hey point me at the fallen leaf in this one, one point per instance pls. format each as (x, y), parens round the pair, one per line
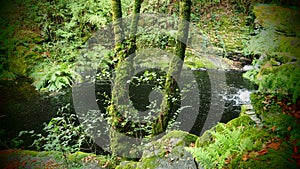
(106, 164)
(245, 157)
(296, 149)
(273, 128)
(296, 157)
(228, 159)
(263, 151)
(274, 145)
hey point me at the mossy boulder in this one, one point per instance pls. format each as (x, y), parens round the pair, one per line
(166, 152)
(205, 139)
(278, 31)
(127, 165)
(284, 20)
(45, 159)
(170, 140)
(243, 120)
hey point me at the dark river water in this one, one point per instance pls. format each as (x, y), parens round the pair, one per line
(23, 108)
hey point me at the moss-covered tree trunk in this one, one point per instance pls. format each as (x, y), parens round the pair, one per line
(124, 47)
(117, 23)
(171, 100)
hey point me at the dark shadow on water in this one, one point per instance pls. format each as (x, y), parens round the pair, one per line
(23, 108)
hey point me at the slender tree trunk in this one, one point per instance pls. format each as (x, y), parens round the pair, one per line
(171, 100)
(124, 69)
(117, 23)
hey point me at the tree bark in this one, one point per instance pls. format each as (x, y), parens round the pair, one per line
(124, 69)
(124, 47)
(117, 23)
(171, 101)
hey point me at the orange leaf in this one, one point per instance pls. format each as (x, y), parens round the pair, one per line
(245, 157)
(273, 128)
(274, 145)
(262, 152)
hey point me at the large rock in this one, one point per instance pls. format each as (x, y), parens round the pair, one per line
(284, 20)
(167, 152)
(278, 31)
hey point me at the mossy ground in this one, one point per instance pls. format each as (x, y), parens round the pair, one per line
(34, 159)
(225, 27)
(275, 144)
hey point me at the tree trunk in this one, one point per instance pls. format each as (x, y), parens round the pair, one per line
(117, 23)
(124, 69)
(171, 101)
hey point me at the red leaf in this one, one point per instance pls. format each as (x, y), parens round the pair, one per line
(262, 152)
(274, 145)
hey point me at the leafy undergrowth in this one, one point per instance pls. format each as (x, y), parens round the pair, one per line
(226, 27)
(33, 159)
(242, 144)
(281, 122)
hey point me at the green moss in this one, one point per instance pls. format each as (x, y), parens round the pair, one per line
(123, 147)
(41, 159)
(279, 18)
(240, 121)
(285, 125)
(127, 165)
(149, 163)
(171, 146)
(280, 33)
(185, 138)
(194, 61)
(264, 104)
(55, 154)
(204, 140)
(273, 159)
(269, 42)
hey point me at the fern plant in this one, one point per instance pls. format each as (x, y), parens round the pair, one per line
(52, 76)
(225, 143)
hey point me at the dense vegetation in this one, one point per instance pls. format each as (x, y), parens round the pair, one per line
(41, 40)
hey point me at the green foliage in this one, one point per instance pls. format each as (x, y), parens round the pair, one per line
(264, 103)
(285, 125)
(62, 133)
(160, 6)
(152, 41)
(45, 33)
(268, 41)
(276, 75)
(52, 76)
(226, 143)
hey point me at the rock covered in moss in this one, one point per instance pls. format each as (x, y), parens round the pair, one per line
(205, 139)
(240, 121)
(50, 159)
(166, 152)
(285, 20)
(278, 31)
